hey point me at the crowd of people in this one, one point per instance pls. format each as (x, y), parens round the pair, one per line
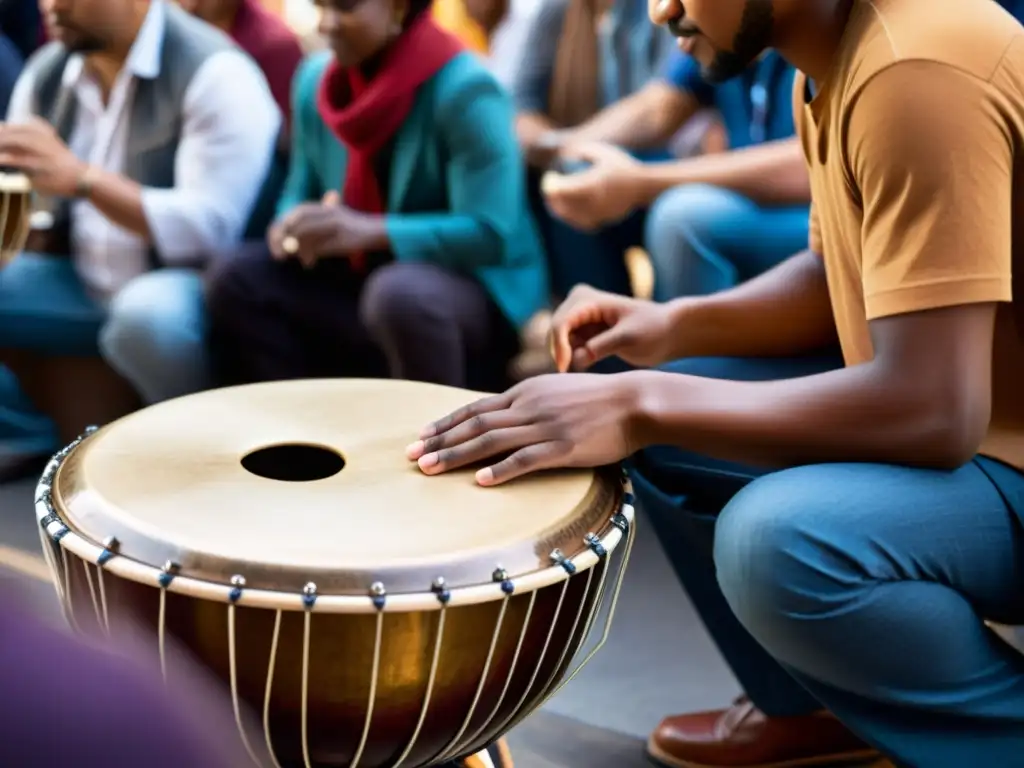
(413, 200)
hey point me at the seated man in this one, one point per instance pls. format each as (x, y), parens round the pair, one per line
(715, 220)
(844, 531)
(580, 58)
(157, 135)
(427, 262)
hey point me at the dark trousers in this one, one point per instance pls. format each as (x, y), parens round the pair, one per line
(594, 258)
(862, 588)
(273, 320)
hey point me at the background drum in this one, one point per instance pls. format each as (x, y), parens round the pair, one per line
(367, 614)
(15, 214)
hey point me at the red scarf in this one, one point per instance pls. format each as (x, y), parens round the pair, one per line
(366, 114)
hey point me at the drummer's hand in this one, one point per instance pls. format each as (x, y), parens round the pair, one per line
(591, 325)
(323, 230)
(35, 149)
(583, 420)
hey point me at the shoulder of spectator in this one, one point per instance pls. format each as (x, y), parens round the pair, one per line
(229, 71)
(45, 56)
(308, 75)
(214, 99)
(278, 42)
(461, 82)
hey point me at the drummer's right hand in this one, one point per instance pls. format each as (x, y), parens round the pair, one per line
(591, 325)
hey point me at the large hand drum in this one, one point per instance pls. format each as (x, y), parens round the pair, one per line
(366, 614)
(15, 213)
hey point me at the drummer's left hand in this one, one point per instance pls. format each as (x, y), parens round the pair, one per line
(576, 420)
(35, 149)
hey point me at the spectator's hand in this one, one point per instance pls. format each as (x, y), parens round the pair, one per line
(312, 231)
(545, 422)
(542, 151)
(591, 325)
(663, 11)
(35, 149)
(604, 193)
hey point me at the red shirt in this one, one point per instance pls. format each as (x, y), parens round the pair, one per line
(273, 45)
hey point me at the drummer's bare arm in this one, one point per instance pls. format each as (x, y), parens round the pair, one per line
(784, 312)
(923, 400)
(935, 261)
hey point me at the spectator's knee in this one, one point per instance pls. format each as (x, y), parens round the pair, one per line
(233, 282)
(154, 329)
(396, 296)
(681, 213)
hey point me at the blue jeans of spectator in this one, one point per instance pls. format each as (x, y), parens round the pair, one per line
(592, 258)
(860, 587)
(152, 332)
(10, 67)
(703, 239)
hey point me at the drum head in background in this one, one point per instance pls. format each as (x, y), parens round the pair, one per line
(308, 481)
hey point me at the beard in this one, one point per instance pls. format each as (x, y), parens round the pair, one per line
(76, 39)
(754, 36)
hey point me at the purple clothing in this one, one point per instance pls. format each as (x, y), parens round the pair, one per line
(68, 703)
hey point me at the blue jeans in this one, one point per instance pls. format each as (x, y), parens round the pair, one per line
(576, 256)
(152, 333)
(10, 68)
(703, 239)
(860, 587)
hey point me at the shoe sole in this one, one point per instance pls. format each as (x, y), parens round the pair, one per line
(662, 758)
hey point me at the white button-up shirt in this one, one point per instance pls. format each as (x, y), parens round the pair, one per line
(229, 131)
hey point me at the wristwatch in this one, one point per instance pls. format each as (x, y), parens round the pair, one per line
(83, 187)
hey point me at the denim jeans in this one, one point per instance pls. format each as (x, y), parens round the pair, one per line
(860, 587)
(703, 239)
(152, 332)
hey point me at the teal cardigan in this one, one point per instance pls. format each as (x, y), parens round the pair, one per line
(457, 190)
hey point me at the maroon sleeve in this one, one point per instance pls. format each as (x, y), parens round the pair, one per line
(279, 61)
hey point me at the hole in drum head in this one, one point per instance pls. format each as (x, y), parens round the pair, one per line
(294, 462)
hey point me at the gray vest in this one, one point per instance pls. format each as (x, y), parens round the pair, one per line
(155, 115)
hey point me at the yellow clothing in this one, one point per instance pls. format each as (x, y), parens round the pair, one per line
(451, 15)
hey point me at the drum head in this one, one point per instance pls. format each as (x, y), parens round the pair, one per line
(300, 481)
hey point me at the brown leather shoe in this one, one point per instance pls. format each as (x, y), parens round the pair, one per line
(743, 737)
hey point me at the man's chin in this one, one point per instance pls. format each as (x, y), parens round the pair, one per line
(74, 41)
(723, 69)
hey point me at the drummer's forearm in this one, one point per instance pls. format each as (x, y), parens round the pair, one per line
(783, 312)
(857, 413)
(119, 199)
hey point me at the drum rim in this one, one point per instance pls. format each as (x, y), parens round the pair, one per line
(15, 182)
(595, 548)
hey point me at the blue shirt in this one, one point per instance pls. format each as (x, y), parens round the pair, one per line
(1016, 7)
(756, 106)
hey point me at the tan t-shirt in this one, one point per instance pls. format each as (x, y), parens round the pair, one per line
(915, 144)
